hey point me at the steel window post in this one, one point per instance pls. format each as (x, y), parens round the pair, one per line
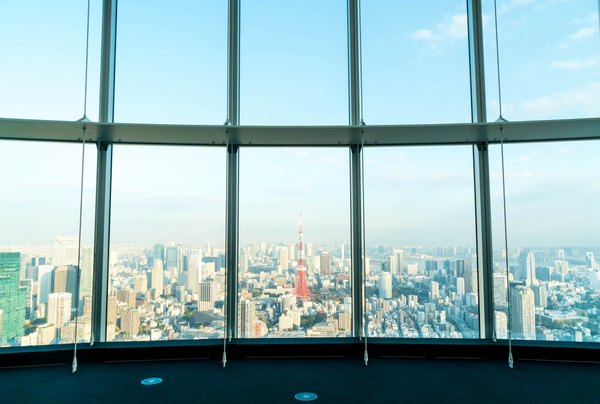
(233, 63)
(481, 174)
(356, 238)
(104, 172)
(354, 63)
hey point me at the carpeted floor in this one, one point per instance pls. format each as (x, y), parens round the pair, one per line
(334, 380)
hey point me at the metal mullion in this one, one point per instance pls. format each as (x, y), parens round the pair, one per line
(233, 63)
(354, 63)
(232, 238)
(356, 227)
(481, 173)
(104, 172)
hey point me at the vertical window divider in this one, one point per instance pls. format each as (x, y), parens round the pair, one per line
(481, 173)
(104, 172)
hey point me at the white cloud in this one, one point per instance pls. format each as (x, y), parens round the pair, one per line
(592, 18)
(523, 159)
(451, 30)
(513, 4)
(576, 64)
(584, 33)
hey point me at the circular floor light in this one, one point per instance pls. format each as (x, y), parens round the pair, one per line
(151, 381)
(306, 396)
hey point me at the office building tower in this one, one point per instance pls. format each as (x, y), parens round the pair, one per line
(499, 288)
(157, 277)
(283, 258)
(28, 285)
(292, 252)
(501, 325)
(522, 302)
(540, 295)
(463, 267)
(246, 319)
(130, 322)
(325, 264)
(244, 261)
(45, 280)
(87, 272)
(12, 297)
(527, 268)
(393, 268)
(385, 285)
(309, 249)
(172, 260)
(194, 272)
(59, 309)
(434, 290)
(87, 306)
(561, 267)
(399, 260)
(460, 286)
(344, 321)
(367, 264)
(65, 250)
(206, 296)
(158, 253)
(111, 310)
(430, 265)
(65, 281)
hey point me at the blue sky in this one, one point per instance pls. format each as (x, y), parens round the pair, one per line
(171, 68)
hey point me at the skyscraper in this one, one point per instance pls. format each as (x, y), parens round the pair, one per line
(130, 322)
(463, 267)
(173, 264)
(59, 309)
(65, 250)
(499, 289)
(523, 312)
(246, 320)
(392, 262)
(44, 279)
(65, 281)
(158, 253)
(283, 258)
(12, 297)
(385, 285)
(87, 275)
(527, 268)
(325, 264)
(244, 261)
(206, 296)
(157, 276)
(434, 290)
(194, 271)
(399, 258)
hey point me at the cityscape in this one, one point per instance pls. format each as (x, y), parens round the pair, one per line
(177, 291)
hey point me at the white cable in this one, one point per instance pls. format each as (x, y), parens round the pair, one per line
(498, 63)
(510, 356)
(226, 332)
(83, 119)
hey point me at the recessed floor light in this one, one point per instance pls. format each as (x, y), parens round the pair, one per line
(151, 381)
(306, 396)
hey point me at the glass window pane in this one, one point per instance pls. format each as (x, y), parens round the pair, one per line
(40, 185)
(549, 59)
(420, 237)
(167, 258)
(294, 63)
(415, 62)
(171, 62)
(294, 276)
(552, 192)
(42, 67)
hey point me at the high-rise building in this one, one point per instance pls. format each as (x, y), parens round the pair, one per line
(561, 267)
(28, 285)
(87, 272)
(434, 290)
(522, 301)
(399, 259)
(158, 253)
(194, 271)
(499, 289)
(172, 260)
(111, 310)
(65, 281)
(540, 295)
(385, 285)
(464, 268)
(206, 296)
(527, 268)
(65, 250)
(367, 266)
(157, 277)
(344, 321)
(44, 279)
(246, 319)
(59, 309)
(244, 261)
(130, 322)
(283, 258)
(501, 325)
(392, 264)
(13, 298)
(325, 264)
(460, 286)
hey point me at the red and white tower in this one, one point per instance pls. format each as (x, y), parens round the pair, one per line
(301, 285)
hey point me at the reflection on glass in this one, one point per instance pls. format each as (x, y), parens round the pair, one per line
(294, 263)
(39, 217)
(415, 62)
(167, 253)
(421, 274)
(171, 64)
(553, 241)
(294, 62)
(549, 58)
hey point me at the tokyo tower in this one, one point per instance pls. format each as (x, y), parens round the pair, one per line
(301, 286)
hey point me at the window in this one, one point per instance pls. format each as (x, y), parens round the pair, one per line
(167, 262)
(294, 263)
(40, 185)
(421, 277)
